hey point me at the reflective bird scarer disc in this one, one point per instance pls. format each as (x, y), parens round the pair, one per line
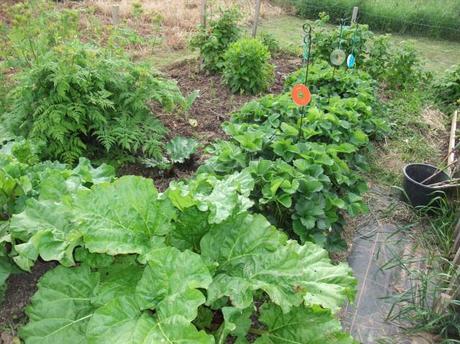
(337, 57)
(351, 61)
(301, 95)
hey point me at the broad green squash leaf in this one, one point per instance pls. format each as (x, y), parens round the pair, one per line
(124, 217)
(46, 229)
(301, 325)
(253, 256)
(122, 321)
(60, 310)
(170, 283)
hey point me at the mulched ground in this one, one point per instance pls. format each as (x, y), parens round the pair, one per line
(214, 106)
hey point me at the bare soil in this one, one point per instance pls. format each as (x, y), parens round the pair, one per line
(214, 106)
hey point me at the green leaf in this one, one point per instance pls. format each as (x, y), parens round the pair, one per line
(220, 198)
(289, 273)
(181, 148)
(236, 322)
(46, 229)
(170, 283)
(61, 308)
(121, 321)
(124, 217)
(301, 325)
(89, 174)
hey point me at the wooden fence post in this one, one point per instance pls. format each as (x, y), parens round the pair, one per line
(115, 14)
(256, 18)
(354, 15)
(203, 12)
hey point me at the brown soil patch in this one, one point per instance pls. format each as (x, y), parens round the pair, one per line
(214, 106)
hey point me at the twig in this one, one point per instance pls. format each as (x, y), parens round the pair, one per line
(439, 171)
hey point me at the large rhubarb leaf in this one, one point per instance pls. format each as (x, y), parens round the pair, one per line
(122, 321)
(220, 198)
(123, 217)
(170, 283)
(252, 255)
(46, 229)
(301, 325)
(189, 227)
(61, 308)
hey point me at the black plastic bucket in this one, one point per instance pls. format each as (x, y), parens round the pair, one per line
(422, 194)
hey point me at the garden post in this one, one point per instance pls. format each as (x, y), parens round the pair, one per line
(115, 14)
(256, 18)
(203, 12)
(354, 15)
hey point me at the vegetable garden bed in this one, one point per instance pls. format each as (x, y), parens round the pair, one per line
(218, 221)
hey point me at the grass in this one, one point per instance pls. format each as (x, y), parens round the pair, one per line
(437, 54)
(436, 18)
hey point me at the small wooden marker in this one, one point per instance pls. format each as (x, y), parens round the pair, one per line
(354, 15)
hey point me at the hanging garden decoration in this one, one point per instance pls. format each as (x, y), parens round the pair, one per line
(300, 92)
(338, 56)
(351, 60)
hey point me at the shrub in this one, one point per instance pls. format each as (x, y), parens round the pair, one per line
(270, 42)
(76, 95)
(212, 41)
(247, 66)
(447, 88)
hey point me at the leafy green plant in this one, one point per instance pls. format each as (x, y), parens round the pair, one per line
(270, 42)
(327, 81)
(447, 89)
(181, 149)
(212, 41)
(23, 179)
(76, 95)
(189, 246)
(247, 67)
(304, 169)
(37, 26)
(397, 66)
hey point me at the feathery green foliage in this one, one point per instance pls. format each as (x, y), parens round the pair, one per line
(76, 95)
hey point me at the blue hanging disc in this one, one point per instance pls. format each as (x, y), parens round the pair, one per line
(351, 61)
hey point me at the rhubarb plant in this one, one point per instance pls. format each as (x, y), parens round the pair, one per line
(149, 265)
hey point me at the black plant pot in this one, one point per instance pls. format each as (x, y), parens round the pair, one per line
(422, 194)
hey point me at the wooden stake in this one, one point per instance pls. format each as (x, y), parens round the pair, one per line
(456, 246)
(453, 130)
(115, 14)
(256, 18)
(203, 13)
(354, 15)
